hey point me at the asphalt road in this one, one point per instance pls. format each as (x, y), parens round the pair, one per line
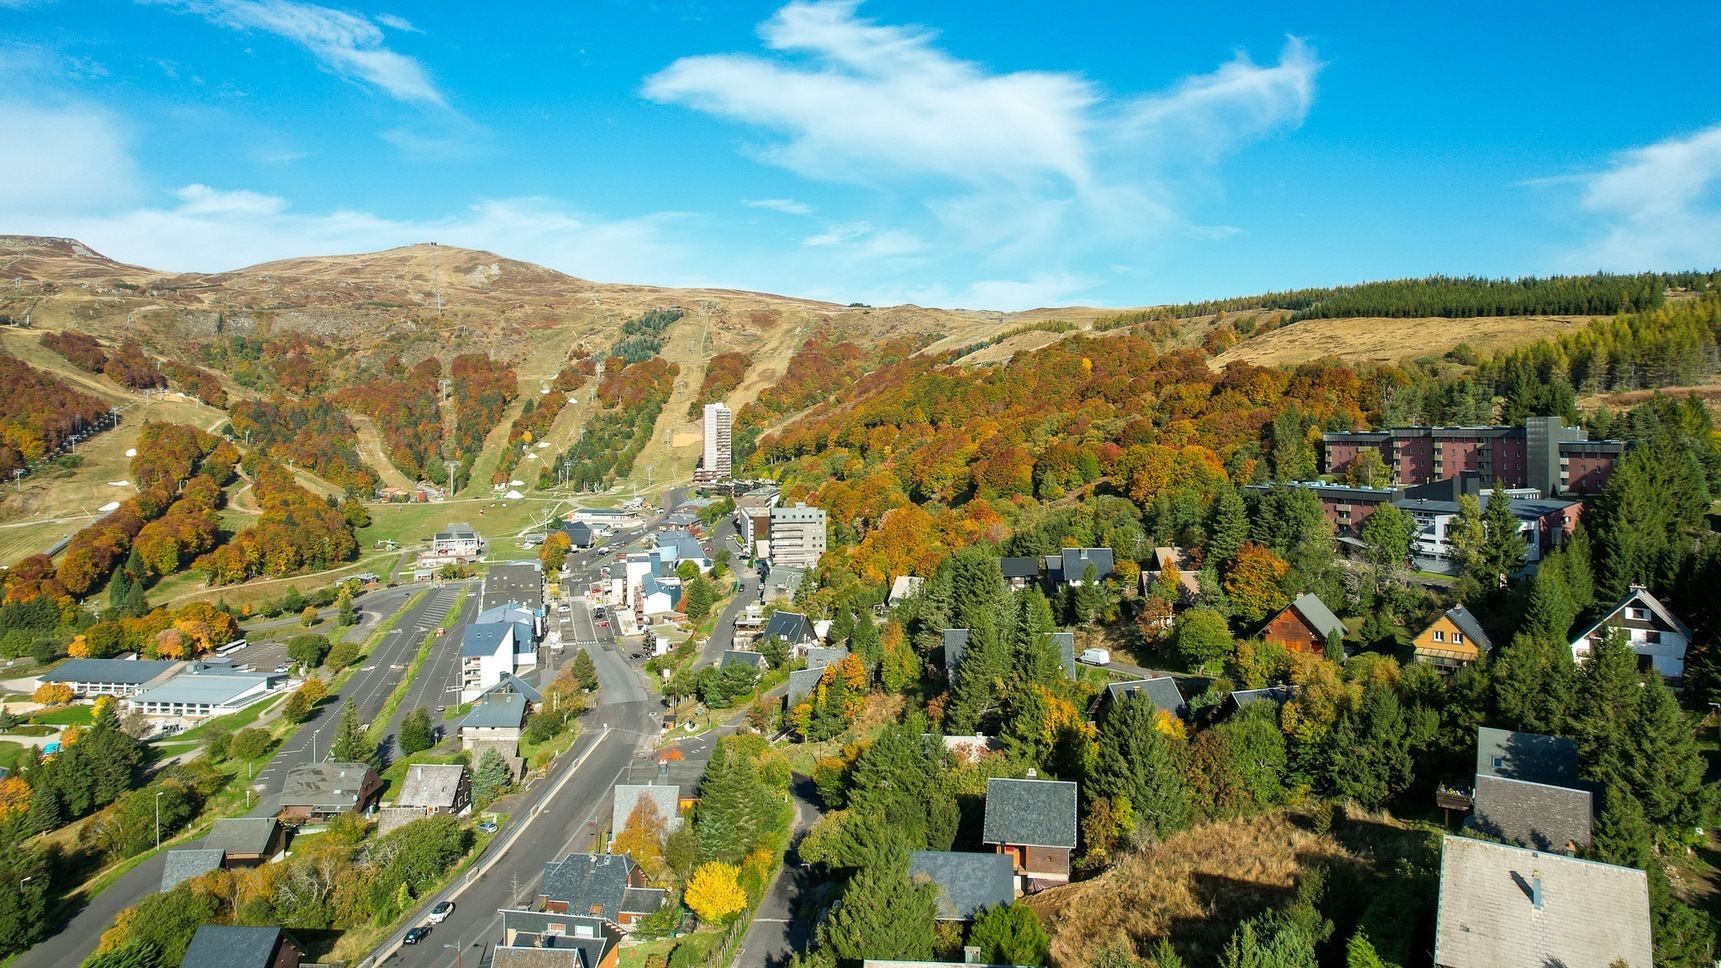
(778, 932)
(74, 942)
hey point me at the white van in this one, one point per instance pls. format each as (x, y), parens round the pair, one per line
(1096, 657)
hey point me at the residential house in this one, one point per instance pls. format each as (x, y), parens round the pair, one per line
(967, 883)
(969, 749)
(1452, 641)
(182, 864)
(322, 791)
(434, 788)
(607, 886)
(793, 628)
(1656, 634)
(234, 946)
(904, 588)
(1526, 756)
(580, 535)
(532, 625)
(1277, 695)
(678, 546)
(459, 541)
(534, 939)
(781, 583)
(1304, 626)
(802, 682)
(1528, 791)
(1162, 691)
(494, 722)
(751, 660)
(659, 596)
(1509, 907)
(512, 684)
(1188, 575)
(1019, 573)
(89, 678)
(487, 653)
(666, 798)
(1034, 823)
(1071, 567)
(246, 841)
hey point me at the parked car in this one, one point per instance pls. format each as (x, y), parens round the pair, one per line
(603, 625)
(416, 935)
(1096, 657)
(488, 826)
(283, 668)
(563, 609)
(440, 912)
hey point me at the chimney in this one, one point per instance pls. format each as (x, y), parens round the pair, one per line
(971, 955)
(1536, 890)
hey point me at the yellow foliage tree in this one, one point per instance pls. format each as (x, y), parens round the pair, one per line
(80, 648)
(641, 836)
(714, 892)
(14, 797)
(52, 694)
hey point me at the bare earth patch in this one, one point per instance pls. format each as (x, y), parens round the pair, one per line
(1390, 340)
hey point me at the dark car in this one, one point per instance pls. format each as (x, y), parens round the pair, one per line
(416, 935)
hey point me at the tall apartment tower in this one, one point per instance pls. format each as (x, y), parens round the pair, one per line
(717, 462)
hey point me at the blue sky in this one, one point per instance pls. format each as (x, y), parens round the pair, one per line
(991, 155)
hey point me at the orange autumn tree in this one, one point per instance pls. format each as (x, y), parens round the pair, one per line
(1253, 581)
(641, 837)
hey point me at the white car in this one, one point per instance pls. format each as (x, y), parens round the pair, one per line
(440, 912)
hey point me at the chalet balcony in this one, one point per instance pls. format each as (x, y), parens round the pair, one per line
(1455, 793)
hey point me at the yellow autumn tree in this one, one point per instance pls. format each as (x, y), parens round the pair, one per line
(14, 797)
(641, 836)
(52, 694)
(80, 647)
(714, 892)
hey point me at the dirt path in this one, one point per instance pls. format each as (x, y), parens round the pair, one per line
(373, 453)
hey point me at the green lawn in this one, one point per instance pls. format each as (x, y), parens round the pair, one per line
(10, 754)
(66, 716)
(232, 722)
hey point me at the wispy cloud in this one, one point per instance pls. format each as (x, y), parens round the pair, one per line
(1659, 206)
(1020, 167)
(71, 158)
(346, 44)
(787, 206)
(393, 22)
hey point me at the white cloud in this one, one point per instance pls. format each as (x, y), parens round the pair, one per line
(393, 22)
(787, 206)
(69, 159)
(346, 44)
(840, 233)
(1660, 206)
(1025, 169)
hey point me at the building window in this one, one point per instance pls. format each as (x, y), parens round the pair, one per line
(1439, 636)
(1639, 614)
(1457, 638)
(1652, 637)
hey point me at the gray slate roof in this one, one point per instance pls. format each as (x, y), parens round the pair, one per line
(1162, 691)
(966, 882)
(431, 785)
(1036, 813)
(1277, 695)
(1591, 915)
(242, 835)
(1019, 567)
(1467, 624)
(325, 785)
(791, 627)
(586, 880)
(1066, 645)
(499, 710)
(232, 946)
(186, 863)
(1318, 614)
(819, 656)
(1076, 561)
(513, 683)
(667, 797)
(802, 682)
(955, 643)
(1533, 815)
(1637, 595)
(551, 941)
(742, 658)
(1527, 756)
(130, 672)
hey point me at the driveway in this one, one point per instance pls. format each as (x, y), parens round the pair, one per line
(777, 932)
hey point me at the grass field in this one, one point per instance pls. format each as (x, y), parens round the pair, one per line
(1390, 340)
(79, 715)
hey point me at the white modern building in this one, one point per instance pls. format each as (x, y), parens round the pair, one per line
(204, 691)
(716, 463)
(797, 535)
(488, 652)
(89, 678)
(458, 541)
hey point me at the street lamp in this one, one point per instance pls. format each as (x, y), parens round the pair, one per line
(158, 794)
(456, 954)
(25, 881)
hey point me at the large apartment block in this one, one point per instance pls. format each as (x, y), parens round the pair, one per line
(797, 536)
(1544, 454)
(717, 461)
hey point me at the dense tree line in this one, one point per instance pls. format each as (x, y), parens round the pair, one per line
(723, 373)
(296, 531)
(314, 432)
(197, 382)
(483, 388)
(642, 337)
(405, 406)
(823, 365)
(129, 366)
(38, 413)
(296, 363)
(82, 349)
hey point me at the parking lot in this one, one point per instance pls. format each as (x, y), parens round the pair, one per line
(261, 656)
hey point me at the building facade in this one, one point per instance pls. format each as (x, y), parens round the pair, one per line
(1544, 454)
(716, 463)
(798, 535)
